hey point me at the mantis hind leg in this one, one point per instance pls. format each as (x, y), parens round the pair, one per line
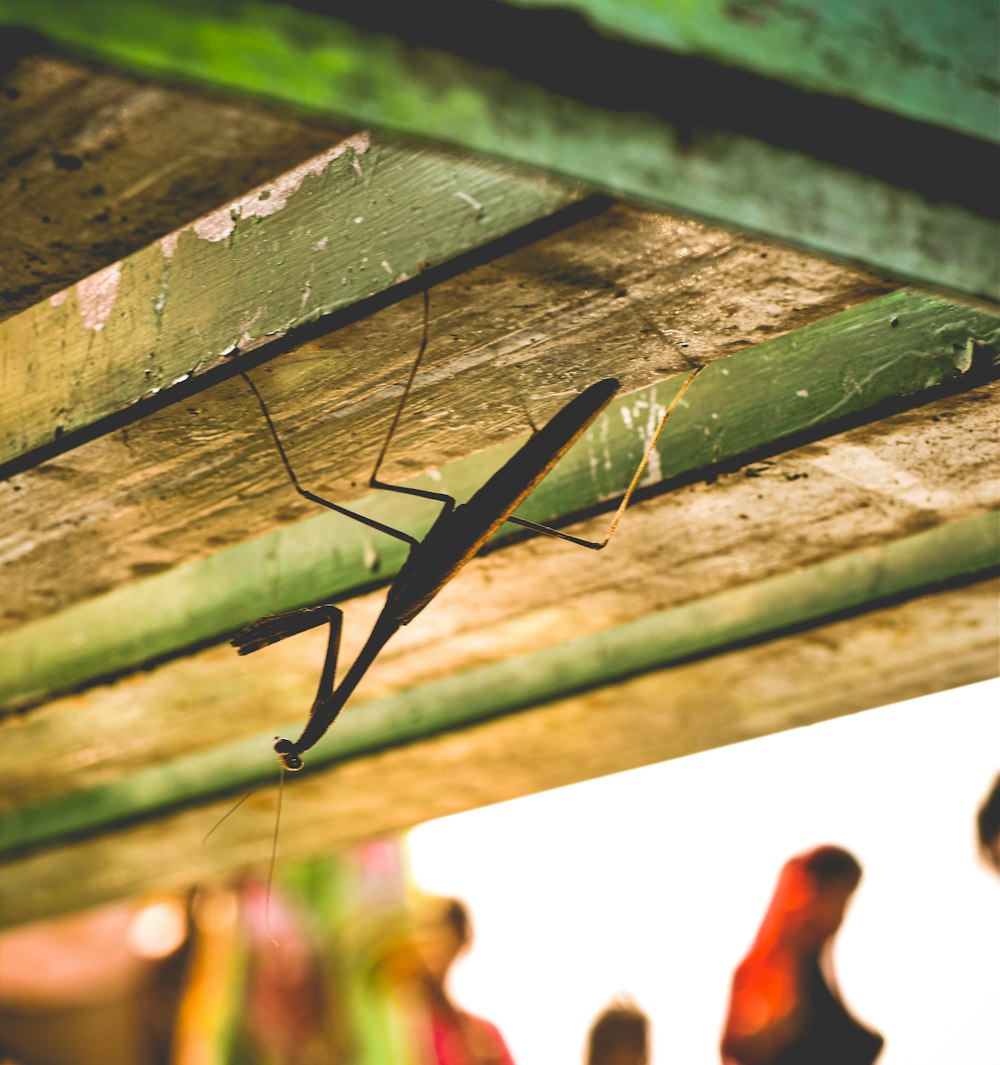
(374, 481)
(596, 545)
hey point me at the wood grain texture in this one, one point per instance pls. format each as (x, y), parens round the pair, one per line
(871, 486)
(936, 63)
(344, 225)
(631, 294)
(919, 647)
(98, 163)
(850, 363)
(678, 132)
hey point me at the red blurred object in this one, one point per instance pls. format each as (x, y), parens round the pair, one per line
(785, 1008)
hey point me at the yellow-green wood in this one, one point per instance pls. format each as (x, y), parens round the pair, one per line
(691, 135)
(856, 361)
(341, 227)
(861, 580)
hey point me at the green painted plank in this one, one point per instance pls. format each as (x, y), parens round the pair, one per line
(933, 61)
(855, 581)
(855, 361)
(702, 139)
(337, 229)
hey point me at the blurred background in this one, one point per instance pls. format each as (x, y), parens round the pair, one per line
(644, 887)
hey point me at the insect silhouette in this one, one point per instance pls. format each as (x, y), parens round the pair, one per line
(458, 533)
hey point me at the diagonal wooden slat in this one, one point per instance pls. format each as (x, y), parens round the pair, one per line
(936, 65)
(677, 132)
(875, 484)
(863, 579)
(925, 645)
(856, 361)
(633, 294)
(337, 229)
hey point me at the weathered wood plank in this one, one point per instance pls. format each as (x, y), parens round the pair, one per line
(335, 230)
(873, 485)
(676, 132)
(637, 295)
(925, 645)
(937, 63)
(852, 362)
(97, 164)
(916, 564)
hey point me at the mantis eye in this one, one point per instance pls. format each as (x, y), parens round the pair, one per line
(288, 755)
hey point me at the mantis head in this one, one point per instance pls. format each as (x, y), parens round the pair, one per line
(288, 755)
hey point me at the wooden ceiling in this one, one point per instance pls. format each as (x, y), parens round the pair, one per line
(817, 532)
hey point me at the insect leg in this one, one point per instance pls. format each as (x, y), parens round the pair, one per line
(370, 522)
(277, 627)
(596, 545)
(373, 481)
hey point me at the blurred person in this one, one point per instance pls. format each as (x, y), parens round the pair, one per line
(989, 827)
(619, 1036)
(95, 987)
(454, 1037)
(784, 1007)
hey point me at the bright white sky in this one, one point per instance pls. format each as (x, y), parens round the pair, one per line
(652, 883)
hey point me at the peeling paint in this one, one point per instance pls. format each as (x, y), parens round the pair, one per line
(321, 244)
(802, 393)
(96, 295)
(59, 298)
(269, 199)
(245, 340)
(168, 244)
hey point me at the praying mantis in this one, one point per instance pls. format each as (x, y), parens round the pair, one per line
(458, 533)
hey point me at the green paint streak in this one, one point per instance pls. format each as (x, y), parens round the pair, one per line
(911, 566)
(937, 64)
(936, 68)
(897, 345)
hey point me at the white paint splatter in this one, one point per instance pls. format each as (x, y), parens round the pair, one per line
(168, 244)
(358, 219)
(59, 298)
(386, 267)
(245, 339)
(474, 204)
(803, 393)
(96, 295)
(271, 198)
(321, 244)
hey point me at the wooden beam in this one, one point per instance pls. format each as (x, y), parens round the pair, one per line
(875, 484)
(330, 233)
(924, 645)
(860, 580)
(637, 295)
(99, 163)
(673, 131)
(936, 64)
(805, 382)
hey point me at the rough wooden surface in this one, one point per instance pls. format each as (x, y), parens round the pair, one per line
(872, 485)
(634, 294)
(676, 132)
(900, 652)
(849, 364)
(900, 59)
(96, 164)
(344, 225)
